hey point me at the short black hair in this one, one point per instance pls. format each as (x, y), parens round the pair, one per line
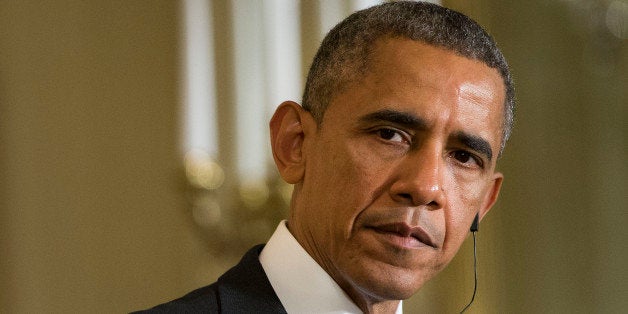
(343, 54)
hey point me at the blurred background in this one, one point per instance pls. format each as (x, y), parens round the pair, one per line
(134, 160)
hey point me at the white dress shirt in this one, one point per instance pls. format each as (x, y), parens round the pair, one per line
(300, 283)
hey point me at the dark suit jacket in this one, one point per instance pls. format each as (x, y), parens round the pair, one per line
(242, 289)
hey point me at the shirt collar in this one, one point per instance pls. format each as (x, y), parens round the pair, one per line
(300, 283)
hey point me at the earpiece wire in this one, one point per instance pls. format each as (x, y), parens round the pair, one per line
(475, 273)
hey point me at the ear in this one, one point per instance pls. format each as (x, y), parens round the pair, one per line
(286, 139)
(491, 197)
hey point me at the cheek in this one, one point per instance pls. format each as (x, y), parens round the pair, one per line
(463, 201)
(358, 176)
(336, 181)
(465, 191)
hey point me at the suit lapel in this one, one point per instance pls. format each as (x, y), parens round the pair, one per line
(246, 289)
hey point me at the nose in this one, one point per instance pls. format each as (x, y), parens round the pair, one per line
(419, 179)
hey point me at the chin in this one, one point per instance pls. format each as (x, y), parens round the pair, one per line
(394, 285)
(396, 291)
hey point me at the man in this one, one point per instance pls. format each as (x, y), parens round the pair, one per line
(406, 109)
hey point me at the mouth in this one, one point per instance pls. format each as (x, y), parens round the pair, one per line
(405, 235)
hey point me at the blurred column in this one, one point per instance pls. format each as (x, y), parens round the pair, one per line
(198, 79)
(282, 48)
(332, 12)
(250, 127)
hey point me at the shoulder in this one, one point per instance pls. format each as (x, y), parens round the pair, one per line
(202, 300)
(244, 288)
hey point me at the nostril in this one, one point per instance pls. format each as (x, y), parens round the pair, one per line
(407, 197)
(433, 204)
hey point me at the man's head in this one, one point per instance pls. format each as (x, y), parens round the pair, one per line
(395, 154)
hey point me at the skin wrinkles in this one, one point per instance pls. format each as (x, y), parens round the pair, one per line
(354, 181)
(409, 121)
(475, 143)
(473, 97)
(478, 94)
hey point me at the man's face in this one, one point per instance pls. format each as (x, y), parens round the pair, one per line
(402, 162)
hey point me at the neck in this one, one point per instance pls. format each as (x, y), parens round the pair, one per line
(366, 302)
(370, 306)
(388, 307)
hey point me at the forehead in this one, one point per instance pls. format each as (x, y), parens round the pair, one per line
(427, 81)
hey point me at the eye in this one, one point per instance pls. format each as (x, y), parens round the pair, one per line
(391, 135)
(467, 159)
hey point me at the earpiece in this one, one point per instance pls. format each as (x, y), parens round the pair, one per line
(475, 226)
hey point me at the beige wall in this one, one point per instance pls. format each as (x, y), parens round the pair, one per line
(557, 240)
(92, 217)
(93, 210)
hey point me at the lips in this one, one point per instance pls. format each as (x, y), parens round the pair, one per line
(405, 231)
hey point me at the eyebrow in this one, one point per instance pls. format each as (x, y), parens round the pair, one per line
(475, 143)
(397, 117)
(409, 120)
